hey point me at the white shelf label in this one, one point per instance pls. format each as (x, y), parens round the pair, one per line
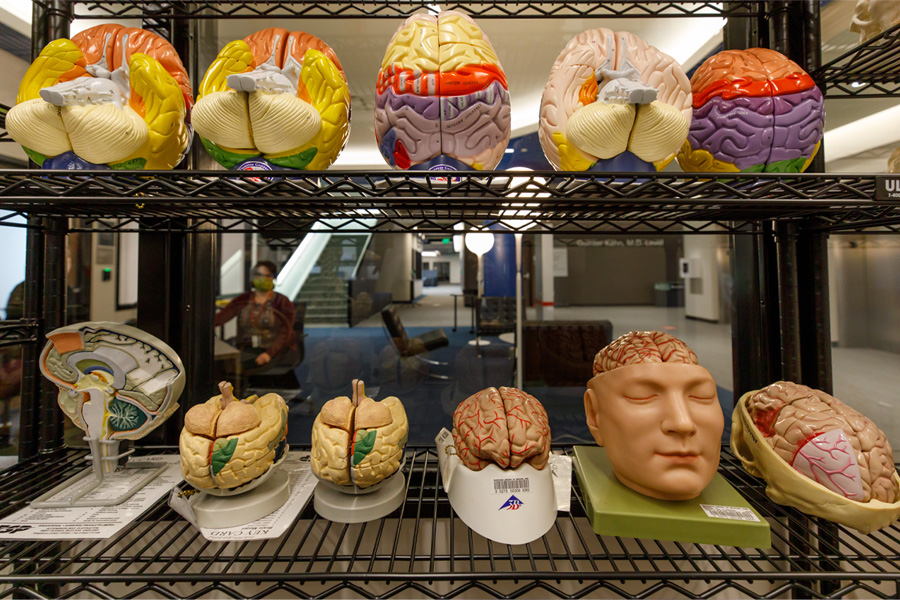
(734, 513)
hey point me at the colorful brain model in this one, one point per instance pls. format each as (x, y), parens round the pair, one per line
(359, 442)
(227, 443)
(755, 111)
(506, 427)
(826, 441)
(442, 99)
(276, 99)
(613, 101)
(872, 17)
(111, 96)
(638, 347)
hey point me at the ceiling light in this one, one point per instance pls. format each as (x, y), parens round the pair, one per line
(857, 84)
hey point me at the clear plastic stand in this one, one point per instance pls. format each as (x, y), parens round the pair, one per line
(105, 483)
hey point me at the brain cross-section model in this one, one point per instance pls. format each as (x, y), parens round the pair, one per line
(442, 96)
(754, 110)
(826, 440)
(276, 99)
(504, 426)
(638, 347)
(359, 441)
(115, 382)
(611, 95)
(227, 443)
(111, 96)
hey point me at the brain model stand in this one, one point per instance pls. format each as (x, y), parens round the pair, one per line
(754, 111)
(818, 455)
(111, 97)
(230, 451)
(494, 465)
(357, 453)
(117, 383)
(441, 99)
(275, 100)
(613, 103)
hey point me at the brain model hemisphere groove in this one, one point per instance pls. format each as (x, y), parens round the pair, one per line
(276, 99)
(611, 94)
(503, 426)
(359, 442)
(826, 441)
(754, 110)
(643, 347)
(441, 96)
(112, 96)
(227, 443)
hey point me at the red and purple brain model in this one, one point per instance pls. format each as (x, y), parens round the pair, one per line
(755, 111)
(441, 97)
(637, 347)
(826, 440)
(505, 426)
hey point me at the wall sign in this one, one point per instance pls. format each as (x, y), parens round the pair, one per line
(887, 187)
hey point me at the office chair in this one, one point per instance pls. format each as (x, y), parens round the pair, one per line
(414, 347)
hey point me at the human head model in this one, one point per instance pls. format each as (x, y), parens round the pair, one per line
(657, 413)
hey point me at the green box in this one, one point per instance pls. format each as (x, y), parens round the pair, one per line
(614, 509)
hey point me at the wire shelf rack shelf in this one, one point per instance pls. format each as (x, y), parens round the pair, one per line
(424, 550)
(867, 71)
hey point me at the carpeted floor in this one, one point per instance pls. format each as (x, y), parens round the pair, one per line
(430, 393)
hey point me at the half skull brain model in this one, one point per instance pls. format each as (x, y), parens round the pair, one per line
(441, 97)
(793, 435)
(754, 110)
(358, 441)
(110, 97)
(276, 99)
(505, 426)
(613, 102)
(227, 443)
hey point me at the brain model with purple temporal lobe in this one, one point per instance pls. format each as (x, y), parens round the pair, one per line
(442, 99)
(754, 111)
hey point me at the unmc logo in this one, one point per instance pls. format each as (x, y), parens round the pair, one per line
(892, 185)
(512, 504)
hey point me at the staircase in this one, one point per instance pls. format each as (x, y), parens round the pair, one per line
(326, 289)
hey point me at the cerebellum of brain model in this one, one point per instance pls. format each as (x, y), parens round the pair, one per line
(638, 347)
(227, 443)
(275, 100)
(825, 440)
(754, 111)
(441, 97)
(613, 102)
(111, 97)
(503, 426)
(358, 441)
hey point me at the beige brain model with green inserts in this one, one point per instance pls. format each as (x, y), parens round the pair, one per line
(359, 441)
(227, 443)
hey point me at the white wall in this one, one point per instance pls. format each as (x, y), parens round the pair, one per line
(13, 70)
(701, 293)
(12, 268)
(103, 293)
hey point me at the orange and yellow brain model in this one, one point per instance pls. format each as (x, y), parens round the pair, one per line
(276, 99)
(112, 96)
(441, 99)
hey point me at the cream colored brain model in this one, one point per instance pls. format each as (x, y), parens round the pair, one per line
(359, 442)
(873, 17)
(610, 93)
(818, 455)
(227, 443)
(504, 426)
(638, 347)
(276, 99)
(112, 96)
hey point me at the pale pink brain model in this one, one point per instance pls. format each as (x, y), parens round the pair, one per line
(638, 347)
(826, 440)
(504, 426)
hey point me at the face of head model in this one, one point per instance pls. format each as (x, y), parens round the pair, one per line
(661, 425)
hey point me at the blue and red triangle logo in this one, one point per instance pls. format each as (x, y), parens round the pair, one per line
(512, 504)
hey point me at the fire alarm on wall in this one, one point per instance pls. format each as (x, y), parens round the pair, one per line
(689, 268)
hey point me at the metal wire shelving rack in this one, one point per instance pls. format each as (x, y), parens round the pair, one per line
(424, 550)
(867, 71)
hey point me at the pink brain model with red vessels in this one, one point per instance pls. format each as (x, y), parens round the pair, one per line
(826, 440)
(505, 426)
(638, 347)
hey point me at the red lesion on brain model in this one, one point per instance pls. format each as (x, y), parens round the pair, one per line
(643, 347)
(505, 426)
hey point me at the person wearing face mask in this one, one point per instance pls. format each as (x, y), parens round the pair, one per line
(265, 327)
